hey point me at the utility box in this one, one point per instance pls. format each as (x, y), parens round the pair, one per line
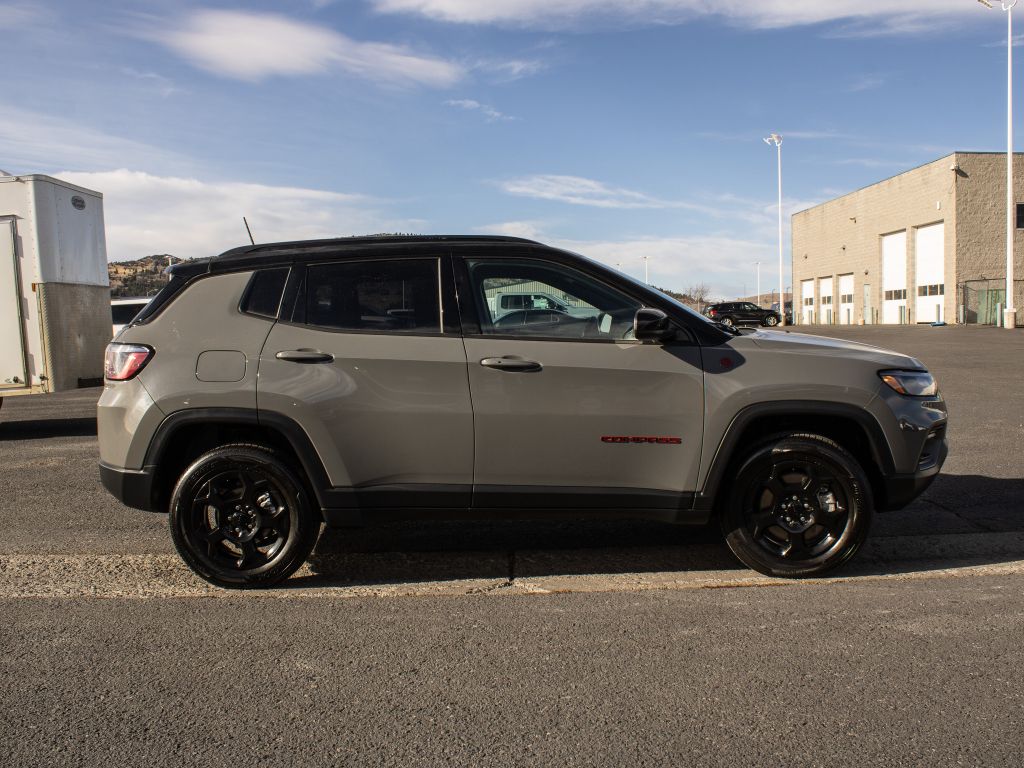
(54, 288)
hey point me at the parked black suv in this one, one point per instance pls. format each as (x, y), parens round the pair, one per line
(742, 313)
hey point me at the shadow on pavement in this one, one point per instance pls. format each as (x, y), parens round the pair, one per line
(944, 529)
(40, 429)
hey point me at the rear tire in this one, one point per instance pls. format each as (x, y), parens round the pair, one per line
(800, 506)
(727, 321)
(240, 518)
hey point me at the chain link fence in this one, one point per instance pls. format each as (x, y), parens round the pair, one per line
(980, 302)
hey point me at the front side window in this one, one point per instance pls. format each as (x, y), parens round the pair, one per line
(386, 296)
(563, 302)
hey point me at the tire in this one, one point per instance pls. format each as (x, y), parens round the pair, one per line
(727, 321)
(242, 518)
(800, 505)
(771, 321)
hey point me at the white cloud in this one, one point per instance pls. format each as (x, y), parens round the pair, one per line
(726, 264)
(512, 69)
(22, 15)
(491, 114)
(531, 230)
(884, 14)
(252, 46)
(32, 141)
(158, 83)
(577, 190)
(867, 82)
(148, 214)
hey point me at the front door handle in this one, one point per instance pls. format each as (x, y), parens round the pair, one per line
(511, 364)
(305, 356)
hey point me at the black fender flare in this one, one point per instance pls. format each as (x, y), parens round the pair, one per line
(288, 429)
(881, 451)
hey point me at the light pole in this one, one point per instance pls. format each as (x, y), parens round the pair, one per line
(1009, 311)
(777, 141)
(758, 284)
(647, 280)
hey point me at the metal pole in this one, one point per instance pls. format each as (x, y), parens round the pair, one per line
(1010, 312)
(759, 284)
(647, 280)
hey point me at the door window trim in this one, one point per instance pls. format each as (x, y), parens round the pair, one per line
(469, 310)
(293, 306)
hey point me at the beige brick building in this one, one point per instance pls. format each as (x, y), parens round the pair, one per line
(928, 244)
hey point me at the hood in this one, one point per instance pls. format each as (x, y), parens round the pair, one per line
(801, 343)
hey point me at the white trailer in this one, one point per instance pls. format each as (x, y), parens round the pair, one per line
(54, 288)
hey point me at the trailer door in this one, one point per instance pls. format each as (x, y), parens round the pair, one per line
(12, 350)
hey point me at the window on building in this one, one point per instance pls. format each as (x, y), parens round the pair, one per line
(931, 290)
(896, 295)
(846, 298)
(1020, 215)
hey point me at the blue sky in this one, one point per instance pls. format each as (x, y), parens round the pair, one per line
(618, 129)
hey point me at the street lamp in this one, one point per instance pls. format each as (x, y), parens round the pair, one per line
(777, 141)
(647, 280)
(1009, 311)
(758, 283)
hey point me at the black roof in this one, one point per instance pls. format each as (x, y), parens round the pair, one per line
(247, 255)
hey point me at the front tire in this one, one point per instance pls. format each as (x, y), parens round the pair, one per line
(800, 506)
(240, 517)
(771, 321)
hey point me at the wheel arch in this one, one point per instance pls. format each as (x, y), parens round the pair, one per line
(853, 428)
(185, 435)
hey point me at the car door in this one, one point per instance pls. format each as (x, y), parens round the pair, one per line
(364, 363)
(572, 411)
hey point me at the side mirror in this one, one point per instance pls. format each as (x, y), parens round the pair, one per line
(652, 325)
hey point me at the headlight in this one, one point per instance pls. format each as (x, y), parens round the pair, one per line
(913, 383)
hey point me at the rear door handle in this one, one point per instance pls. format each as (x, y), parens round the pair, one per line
(305, 356)
(511, 364)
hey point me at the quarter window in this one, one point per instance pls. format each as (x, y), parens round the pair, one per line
(386, 296)
(263, 297)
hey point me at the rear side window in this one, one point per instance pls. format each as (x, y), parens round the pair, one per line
(163, 297)
(263, 296)
(386, 296)
(122, 314)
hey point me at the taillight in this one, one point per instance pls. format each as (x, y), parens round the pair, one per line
(713, 312)
(123, 361)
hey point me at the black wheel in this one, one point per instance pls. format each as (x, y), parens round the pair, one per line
(800, 506)
(240, 517)
(727, 321)
(771, 320)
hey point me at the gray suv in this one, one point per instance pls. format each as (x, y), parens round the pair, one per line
(277, 387)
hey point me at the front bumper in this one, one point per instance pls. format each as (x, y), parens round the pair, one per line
(132, 487)
(898, 490)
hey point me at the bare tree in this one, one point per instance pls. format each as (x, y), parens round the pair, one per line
(699, 293)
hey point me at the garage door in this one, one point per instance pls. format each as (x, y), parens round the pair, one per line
(846, 299)
(930, 271)
(807, 302)
(12, 355)
(825, 298)
(894, 278)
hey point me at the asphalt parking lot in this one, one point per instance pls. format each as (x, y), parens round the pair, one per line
(545, 643)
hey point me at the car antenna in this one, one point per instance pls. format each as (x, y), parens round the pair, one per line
(248, 230)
